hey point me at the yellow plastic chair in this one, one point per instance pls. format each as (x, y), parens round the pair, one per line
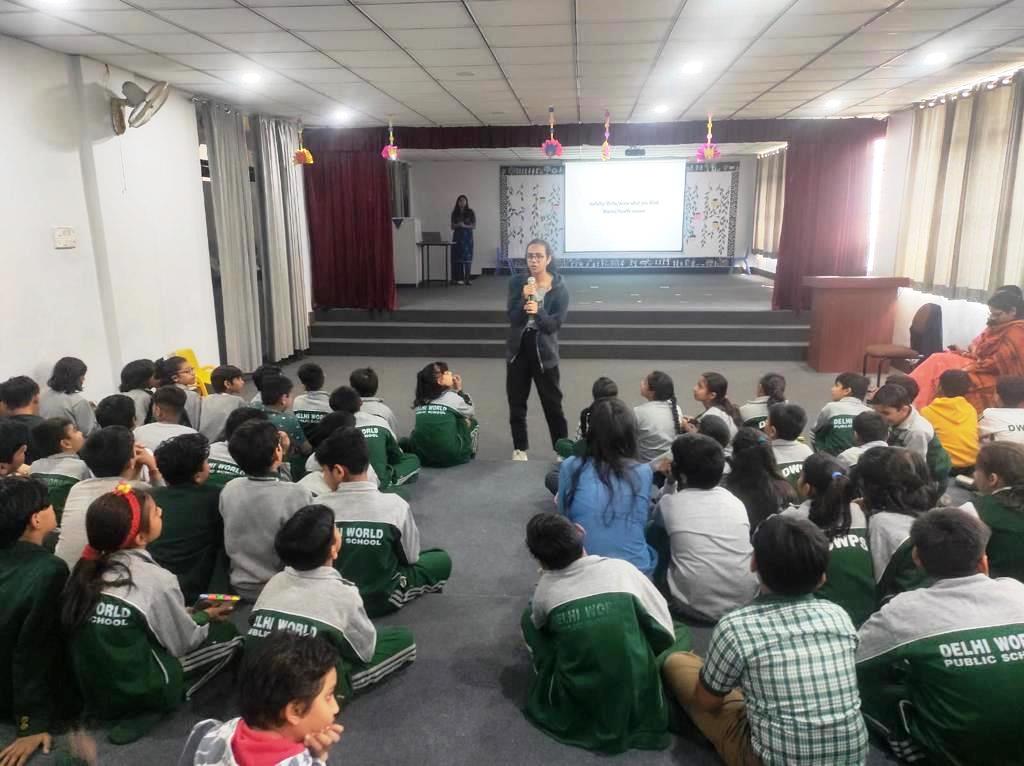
(203, 374)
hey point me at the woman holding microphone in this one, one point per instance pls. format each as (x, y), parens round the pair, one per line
(538, 302)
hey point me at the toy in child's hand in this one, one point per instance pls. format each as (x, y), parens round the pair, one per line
(206, 600)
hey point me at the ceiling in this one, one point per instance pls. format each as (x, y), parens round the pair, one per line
(531, 154)
(502, 62)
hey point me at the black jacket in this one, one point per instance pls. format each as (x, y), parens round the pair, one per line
(548, 319)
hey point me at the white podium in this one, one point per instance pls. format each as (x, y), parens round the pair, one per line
(405, 233)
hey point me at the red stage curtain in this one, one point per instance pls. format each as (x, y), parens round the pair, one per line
(825, 225)
(348, 206)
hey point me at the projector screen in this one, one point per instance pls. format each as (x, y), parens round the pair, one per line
(624, 206)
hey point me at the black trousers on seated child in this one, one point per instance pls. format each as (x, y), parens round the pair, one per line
(520, 372)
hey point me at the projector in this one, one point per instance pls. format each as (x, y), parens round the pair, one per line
(636, 151)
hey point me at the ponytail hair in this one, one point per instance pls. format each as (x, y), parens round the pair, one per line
(167, 368)
(108, 527)
(427, 387)
(718, 385)
(830, 504)
(773, 385)
(664, 389)
(895, 480)
(1005, 460)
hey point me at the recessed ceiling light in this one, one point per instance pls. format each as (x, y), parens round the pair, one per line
(661, 108)
(693, 67)
(832, 104)
(251, 78)
(935, 57)
(340, 115)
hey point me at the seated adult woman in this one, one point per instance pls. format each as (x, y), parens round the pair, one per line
(999, 350)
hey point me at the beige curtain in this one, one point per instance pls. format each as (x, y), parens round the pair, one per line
(963, 216)
(768, 202)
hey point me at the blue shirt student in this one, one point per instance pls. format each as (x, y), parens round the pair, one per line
(614, 525)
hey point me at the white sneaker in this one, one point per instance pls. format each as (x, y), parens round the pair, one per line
(519, 454)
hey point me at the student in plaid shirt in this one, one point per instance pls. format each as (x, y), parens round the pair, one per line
(778, 685)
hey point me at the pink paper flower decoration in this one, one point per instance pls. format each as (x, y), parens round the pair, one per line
(552, 147)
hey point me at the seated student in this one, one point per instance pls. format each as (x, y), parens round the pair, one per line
(117, 410)
(954, 419)
(712, 391)
(608, 491)
(227, 383)
(596, 629)
(895, 488)
(999, 481)
(850, 580)
(908, 429)
(20, 396)
(778, 684)
(1005, 422)
(192, 542)
(60, 468)
(709, 534)
(393, 467)
(63, 398)
(446, 430)
(380, 549)
(113, 459)
(869, 431)
(310, 597)
(176, 371)
(314, 478)
(286, 697)
(261, 372)
(168, 406)
(14, 438)
(754, 477)
(659, 420)
(33, 682)
(833, 430)
(365, 382)
(603, 388)
(277, 398)
(223, 467)
(138, 379)
(255, 506)
(312, 404)
(785, 424)
(771, 390)
(939, 668)
(137, 652)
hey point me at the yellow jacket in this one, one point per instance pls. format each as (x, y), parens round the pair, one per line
(956, 424)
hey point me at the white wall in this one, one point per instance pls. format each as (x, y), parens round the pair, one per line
(138, 284)
(894, 180)
(961, 320)
(435, 185)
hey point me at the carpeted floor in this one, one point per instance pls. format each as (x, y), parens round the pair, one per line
(459, 702)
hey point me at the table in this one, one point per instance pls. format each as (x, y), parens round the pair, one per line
(425, 260)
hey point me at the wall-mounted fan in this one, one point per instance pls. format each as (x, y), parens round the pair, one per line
(144, 105)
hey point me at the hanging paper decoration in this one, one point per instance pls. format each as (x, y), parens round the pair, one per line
(390, 151)
(302, 155)
(552, 148)
(708, 151)
(606, 148)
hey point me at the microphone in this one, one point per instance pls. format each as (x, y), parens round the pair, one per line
(531, 322)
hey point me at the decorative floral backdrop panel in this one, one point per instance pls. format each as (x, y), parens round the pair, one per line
(709, 210)
(531, 207)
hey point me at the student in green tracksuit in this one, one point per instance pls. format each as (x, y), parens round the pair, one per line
(446, 430)
(895, 488)
(393, 466)
(137, 652)
(311, 598)
(833, 430)
(999, 478)
(909, 428)
(783, 427)
(849, 579)
(192, 542)
(597, 630)
(941, 669)
(276, 395)
(33, 679)
(223, 467)
(380, 549)
(313, 404)
(59, 466)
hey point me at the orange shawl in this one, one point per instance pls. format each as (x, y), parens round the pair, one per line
(998, 351)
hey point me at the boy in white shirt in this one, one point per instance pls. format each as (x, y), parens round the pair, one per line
(1005, 423)
(227, 383)
(168, 404)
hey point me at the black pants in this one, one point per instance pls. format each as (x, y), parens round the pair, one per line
(520, 372)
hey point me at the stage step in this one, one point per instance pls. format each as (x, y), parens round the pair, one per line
(712, 335)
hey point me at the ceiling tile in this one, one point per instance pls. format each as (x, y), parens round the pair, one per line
(460, 57)
(393, 58)
(771, 63)
(419, 15)
(540, 73)
(135, 62)
(84, 45)
(601, 69)
(6, 7)
(628, 32)
(57, 9)
(213, 61)
(838, 6)
(873, 41)
(349, 41)
(224, 21)
(485, 86)
(863, 60)
(262, 42)
(318, 18)
(159, 5)
(623, 52)
(466, 73)
(307, 60)
(551, 54)
(787, 46)
(189, 77)
(528, 36)
(391, 74)
(459, 37)
(626, 10)
(316, 76)
(906, 20)
(176, 43)
(725, 27)
(521, 12)
(709, 8)
(120, 22)
(32, 23)
(824, 24)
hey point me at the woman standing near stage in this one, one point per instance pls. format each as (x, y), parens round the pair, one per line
(463, 223)
(538, 302)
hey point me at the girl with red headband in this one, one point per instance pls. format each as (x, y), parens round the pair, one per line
(136, 650)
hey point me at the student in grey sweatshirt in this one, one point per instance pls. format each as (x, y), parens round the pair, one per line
(256, 506)
(227, 383)
(365, 382)
(659, 420)
(138, 379)
(62, 397)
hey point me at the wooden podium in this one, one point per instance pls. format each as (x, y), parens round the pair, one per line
(848, 314)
